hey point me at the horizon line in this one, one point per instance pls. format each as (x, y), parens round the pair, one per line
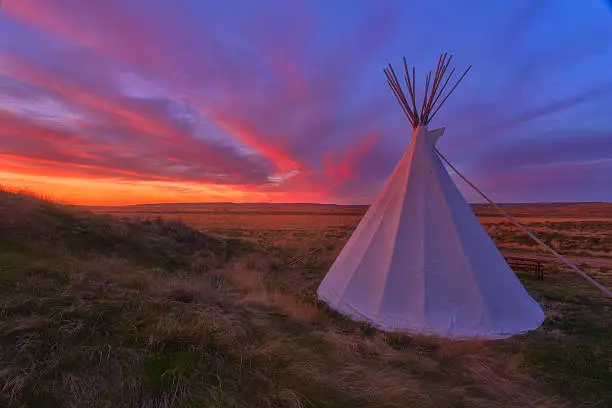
(325, 204)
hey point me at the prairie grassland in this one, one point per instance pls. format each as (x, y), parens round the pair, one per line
(582, 232)
(99, 311)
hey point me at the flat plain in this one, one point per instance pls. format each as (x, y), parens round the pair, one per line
(580, 231)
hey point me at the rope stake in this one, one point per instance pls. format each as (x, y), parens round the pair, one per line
(526, 231)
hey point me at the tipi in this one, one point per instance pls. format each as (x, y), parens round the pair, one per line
(420, 261)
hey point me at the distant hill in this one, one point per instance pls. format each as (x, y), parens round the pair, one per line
(235, 205)
(575, 209)
(233, 208)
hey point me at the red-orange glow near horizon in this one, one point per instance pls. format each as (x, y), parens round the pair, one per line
(86, 191)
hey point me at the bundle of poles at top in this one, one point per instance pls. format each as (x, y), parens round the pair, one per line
(433, 91)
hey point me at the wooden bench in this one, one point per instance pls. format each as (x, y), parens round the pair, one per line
(527, 264)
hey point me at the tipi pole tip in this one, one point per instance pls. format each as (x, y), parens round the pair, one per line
(433, 92)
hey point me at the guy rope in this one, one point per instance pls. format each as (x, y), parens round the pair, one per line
(526, 231)
(569, 264)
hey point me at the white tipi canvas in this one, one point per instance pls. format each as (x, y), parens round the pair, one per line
(420, 261)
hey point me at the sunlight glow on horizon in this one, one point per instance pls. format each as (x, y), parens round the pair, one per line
(114, 192)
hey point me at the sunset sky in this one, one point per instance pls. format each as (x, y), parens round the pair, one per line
(135, 101)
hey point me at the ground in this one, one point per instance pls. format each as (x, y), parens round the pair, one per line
(196, 307)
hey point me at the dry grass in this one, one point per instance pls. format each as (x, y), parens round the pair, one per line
(100, 312)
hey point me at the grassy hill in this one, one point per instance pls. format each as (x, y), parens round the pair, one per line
(98, 311)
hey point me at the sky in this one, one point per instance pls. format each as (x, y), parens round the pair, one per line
(111, 102)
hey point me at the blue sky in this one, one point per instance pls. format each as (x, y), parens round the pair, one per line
(142, 100)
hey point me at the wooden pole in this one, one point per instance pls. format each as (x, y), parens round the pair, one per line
(399, 94)
(434, 90)
(425, 95)
(451, 91)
